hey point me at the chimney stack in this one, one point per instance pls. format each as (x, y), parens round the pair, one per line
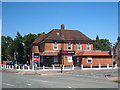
(62, 26)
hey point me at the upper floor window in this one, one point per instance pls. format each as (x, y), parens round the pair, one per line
(88, 46)
(69, 46)
(79, 46)
(55, 46)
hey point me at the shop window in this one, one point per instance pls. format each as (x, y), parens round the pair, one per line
(55, 59)
(89, 59)
(69, 46)
(88, 46)
(55, 46)
(69, 58)
(79, 47)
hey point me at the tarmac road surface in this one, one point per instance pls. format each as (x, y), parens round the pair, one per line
(71, 81)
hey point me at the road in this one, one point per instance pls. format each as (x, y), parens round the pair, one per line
(71, 81)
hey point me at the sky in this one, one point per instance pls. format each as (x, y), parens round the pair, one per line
(91, 18)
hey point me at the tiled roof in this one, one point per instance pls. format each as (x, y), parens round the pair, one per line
(92, 53)
(40, 38)
(62, 34)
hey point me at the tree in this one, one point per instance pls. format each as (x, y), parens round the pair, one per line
(18, 47)
(6, 43)
(102, 44)
(118, 39)
(27, 40)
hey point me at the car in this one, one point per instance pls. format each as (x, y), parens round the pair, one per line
(14, 63)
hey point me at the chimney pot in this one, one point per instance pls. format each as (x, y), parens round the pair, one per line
(62, 26)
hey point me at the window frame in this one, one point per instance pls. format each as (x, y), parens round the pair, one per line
(69, 59)
(70, 46)
(79, 45)
(55, 46)
(88, 46)
(89, 58)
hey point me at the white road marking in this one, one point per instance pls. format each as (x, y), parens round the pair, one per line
(8, 84)
(29, 84)
(43, 81)
(71, 88)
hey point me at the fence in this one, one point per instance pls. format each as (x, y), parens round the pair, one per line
(33, 68)
(99, 67)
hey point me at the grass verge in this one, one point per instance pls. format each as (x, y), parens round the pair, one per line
(117, 81)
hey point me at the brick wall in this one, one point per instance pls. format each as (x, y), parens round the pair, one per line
(35, 49)
(50, 46)
(98, 60)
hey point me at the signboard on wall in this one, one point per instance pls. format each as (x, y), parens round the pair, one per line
(67, 52)
(36, 59)
(36, 56)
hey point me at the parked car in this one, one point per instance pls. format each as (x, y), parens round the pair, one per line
(14, 63)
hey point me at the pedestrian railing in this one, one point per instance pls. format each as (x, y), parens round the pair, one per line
(99, 66)
(44, 68)
(33, 68)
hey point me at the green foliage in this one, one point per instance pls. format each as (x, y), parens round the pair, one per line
(102, 44)
(27, 40)
(117, 81)
(118, 39)
(20, 44)
(6, 44)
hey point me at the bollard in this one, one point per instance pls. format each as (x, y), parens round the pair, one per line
(23, 67)
(6, 66)
(81, 66)
(115, 65)
(107, 65)
(53, 67)
(63, 67)
(99, 65)
(43, 67)
(91, 66)
(18, 67)
(73, 67)
(33, 68)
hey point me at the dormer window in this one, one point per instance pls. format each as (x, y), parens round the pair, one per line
(79, 46)
(88, 46)
(58, 33)
(55, 46)
(69, 46)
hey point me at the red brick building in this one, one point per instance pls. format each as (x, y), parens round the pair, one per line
(68, 47)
